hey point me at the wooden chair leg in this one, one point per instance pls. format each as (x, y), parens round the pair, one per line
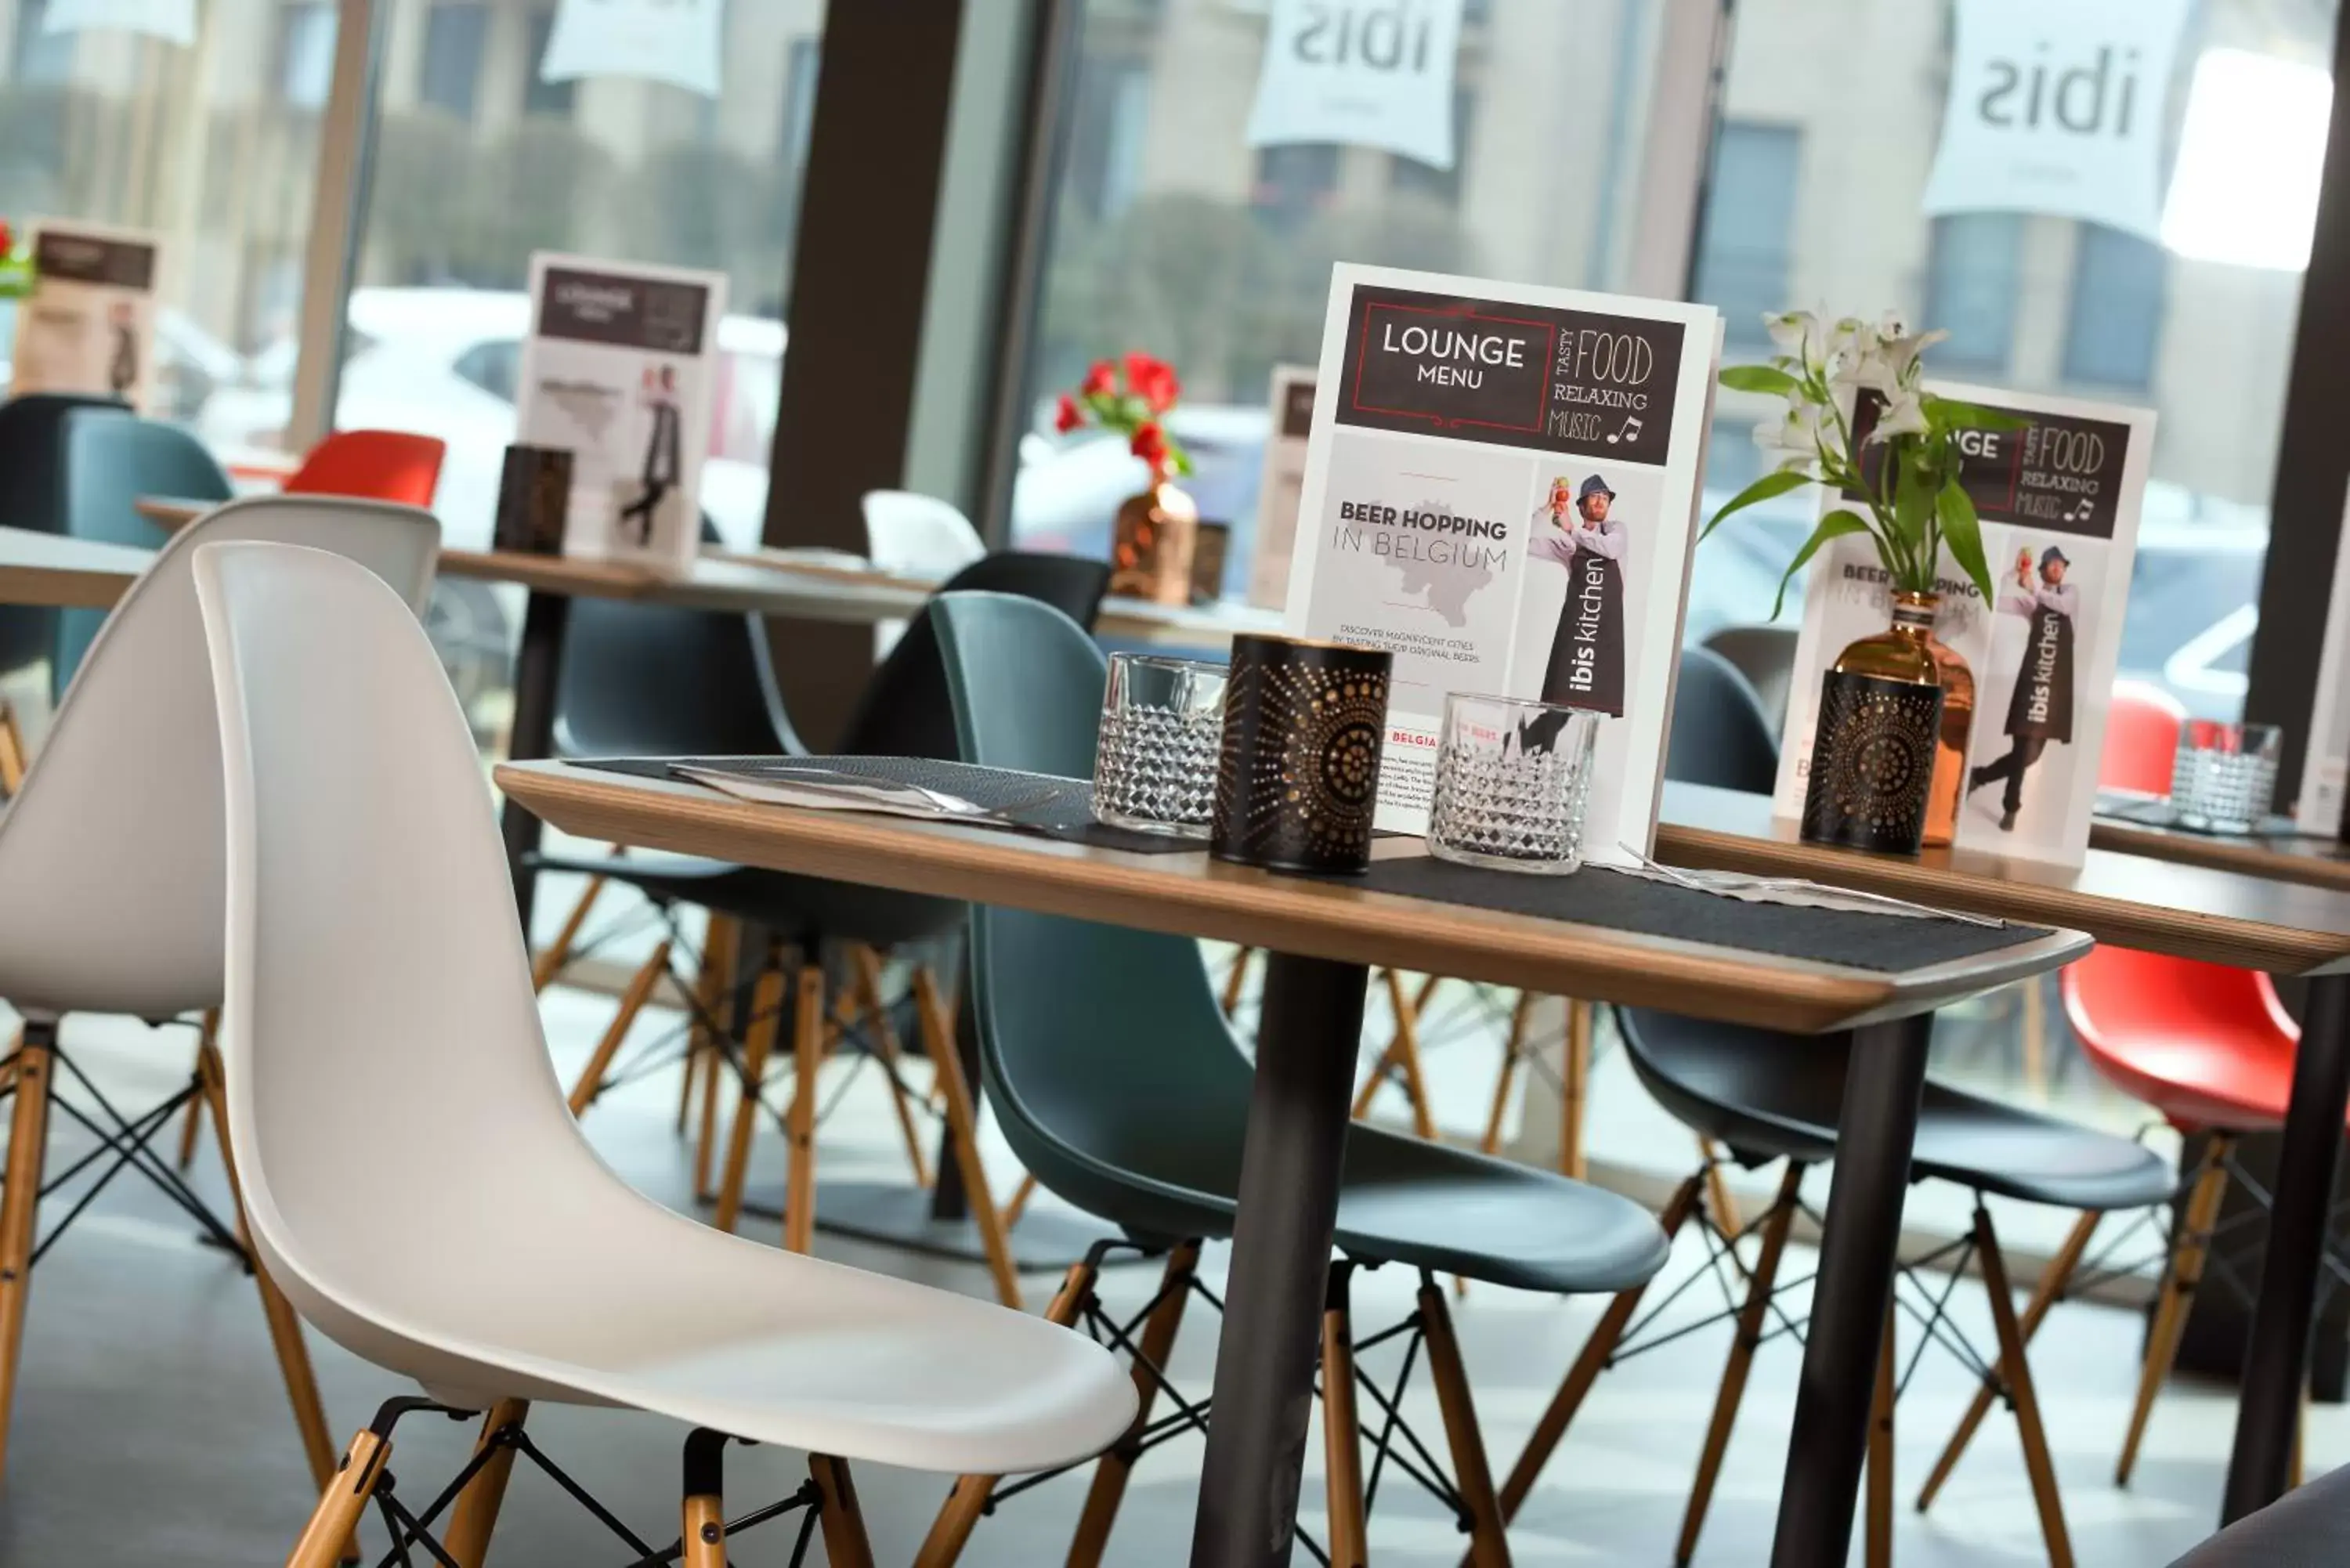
(1406, 1049)
(842, 1521)
(2050, 1291)
(2178, 1286)
(552, 958)
(192, 1122)
(799, 1120)
(885, 1046)
(1878, 1527)
(1587, 1366)
(1752, 1313)
(1488, 1543)
(590, 1081)
(1574, 1087)
(341, 1502)
(1019, 1202)
(1513, 1051)
(20, 1191)
(1157, 1342)
(962, 1132)
(758, 1042)
(12, 752)
(1718, 1199)
(1236, 980)
(2037, 1463)
(1342, 1435)
(475, 1514)
(2034, 1032)
(950, 1530)
(285, 1324)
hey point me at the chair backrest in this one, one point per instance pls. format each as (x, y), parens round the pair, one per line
(2141, 738)
(653, 681)
(32, 497)
(904, 710)
(919, 534)
(1169, 1105)
(378, 465)
(1720, 735)
(378, 998)
(112, 855)
(1765, 654)
(112, 457)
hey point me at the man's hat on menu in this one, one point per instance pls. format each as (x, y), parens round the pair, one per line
(1594, 485)
(2052, 553)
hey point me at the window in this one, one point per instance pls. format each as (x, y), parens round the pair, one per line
(1971, 284)
(450, 78)
(540, 96)
(495, 367)
(215, 146)
(1750, 215)
(1170, 233)
(798, 117)
(2116, 321)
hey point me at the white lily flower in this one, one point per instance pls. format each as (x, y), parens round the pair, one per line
(1795, 433)
(1905, 414)
(1900, 355)
(1798, 334)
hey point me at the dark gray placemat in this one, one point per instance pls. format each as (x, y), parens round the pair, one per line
(1053, 807)
(1599, 896)
(2158, 811)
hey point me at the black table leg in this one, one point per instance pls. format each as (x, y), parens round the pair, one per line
(537, 667)
(1876, 1133)
(2276, 1363)
(1306, 1041)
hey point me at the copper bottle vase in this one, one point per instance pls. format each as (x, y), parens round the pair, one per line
(1874, 745)
(1152, 544)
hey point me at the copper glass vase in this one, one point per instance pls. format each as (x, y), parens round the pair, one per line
(1948, 791)
(1875, 748)
(1150, 548)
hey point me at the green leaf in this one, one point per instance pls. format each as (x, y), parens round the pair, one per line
(1834, 526)
(1964, 531)
(1956, 415)
(1764, 489)
(1758, 378)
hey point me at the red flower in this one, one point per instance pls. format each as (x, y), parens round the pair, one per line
(1153, 380)
(7, 240)
(1067, 416)
(1149, 445)
(1100, 381)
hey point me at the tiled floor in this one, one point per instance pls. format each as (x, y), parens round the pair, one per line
(150, 1427)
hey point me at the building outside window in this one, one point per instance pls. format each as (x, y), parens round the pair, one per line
(2114, 327)
(1743, 252)
(1973, 273)
(454, 34)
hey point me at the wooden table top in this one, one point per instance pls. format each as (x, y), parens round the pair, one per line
(2319, 861)
(2129, 901)
(67, 573)
(777, 583)
(1191, 895)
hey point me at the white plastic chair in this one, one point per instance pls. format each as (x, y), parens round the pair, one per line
(379, 998)
(907, 534)
(112, 876)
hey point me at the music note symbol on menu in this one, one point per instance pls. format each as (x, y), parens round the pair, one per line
(2080, 510)
(1630, 431)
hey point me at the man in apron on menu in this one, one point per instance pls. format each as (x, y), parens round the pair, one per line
(2041, 711)
(1586, 652)
(661, 468)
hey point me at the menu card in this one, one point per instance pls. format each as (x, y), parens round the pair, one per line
(1500, 489)
(2059, 502)
(89, 326)
(619, 370)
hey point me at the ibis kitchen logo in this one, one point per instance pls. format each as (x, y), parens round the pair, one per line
(1511, 373)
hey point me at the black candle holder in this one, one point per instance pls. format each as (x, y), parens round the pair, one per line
(1297, 782)
(534, 500)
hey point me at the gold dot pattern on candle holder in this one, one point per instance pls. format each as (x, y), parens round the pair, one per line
(1872, 758)
(1298, 784)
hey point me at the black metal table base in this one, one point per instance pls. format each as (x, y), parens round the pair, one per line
(538, 668)
(1313, 1018)
(2276, 1362)
(1876, 1132)
(899, 1214)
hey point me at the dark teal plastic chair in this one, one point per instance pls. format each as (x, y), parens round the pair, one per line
(111, 459)
(32, 497)
(1119, 1085)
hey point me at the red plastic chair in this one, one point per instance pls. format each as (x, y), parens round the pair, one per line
(2209, 1047)
(376, 465)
